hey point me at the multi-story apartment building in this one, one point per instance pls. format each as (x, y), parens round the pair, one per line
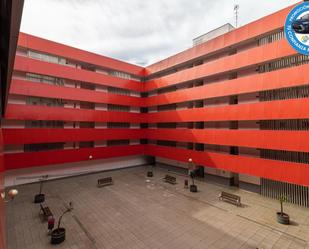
(236, 104)
(85, 105)
(10, 18)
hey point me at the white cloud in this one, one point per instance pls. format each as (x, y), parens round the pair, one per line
(136, 31)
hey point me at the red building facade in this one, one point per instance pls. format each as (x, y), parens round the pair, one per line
(237, 104)
(10, 16)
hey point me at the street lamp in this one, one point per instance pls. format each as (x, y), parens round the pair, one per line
(12, 193)
(191, 169)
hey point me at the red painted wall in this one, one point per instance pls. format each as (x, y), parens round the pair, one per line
(2, 205)
(24, 64)
(26, 88)
(41, 135)
(31, 112)
(239, 61)
(276, 170)
(266, 139)
(51, 47)
(34, 159)
(288, 77)
(270, 110)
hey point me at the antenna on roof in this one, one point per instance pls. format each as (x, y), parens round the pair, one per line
(236, 8)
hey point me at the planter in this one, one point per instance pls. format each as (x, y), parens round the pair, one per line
(57, 236)
(193, 188)
(283, 218)
(39, 198)
(149, 174)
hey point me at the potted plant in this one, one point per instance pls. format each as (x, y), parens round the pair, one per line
(58, 234)
(39, 198)
(193, 187)
(282, 217)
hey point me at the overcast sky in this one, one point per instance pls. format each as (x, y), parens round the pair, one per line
(137, 31)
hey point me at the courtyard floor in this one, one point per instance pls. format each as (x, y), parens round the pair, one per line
(140, 212)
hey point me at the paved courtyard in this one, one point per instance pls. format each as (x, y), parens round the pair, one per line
(138, 213)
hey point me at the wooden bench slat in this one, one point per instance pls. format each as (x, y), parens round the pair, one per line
(46, 211)
(170, 179)
(105, 181)
(234, 199)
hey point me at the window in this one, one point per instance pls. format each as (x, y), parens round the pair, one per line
(271, 38)
(292, 61)
(44, 124)
(118, 142)
(46, 57)
(88, 125)
(168, 107)
(88, 67)
(111, 125)
(87, 105)
(119, 108)
(87, 86)
(166, 143)
(118, 91)
(120, 75)
(44, 79)
(86, 144)
(44, 101)
(43, 147)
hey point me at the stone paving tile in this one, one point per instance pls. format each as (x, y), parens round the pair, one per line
(135, 213)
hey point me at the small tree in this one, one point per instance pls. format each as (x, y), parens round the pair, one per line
(192, 177)
(44, 177)
(41, 186)
(282, 199)
(191, 167)
(69, 209)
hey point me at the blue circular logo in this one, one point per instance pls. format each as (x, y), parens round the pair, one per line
(297, 28)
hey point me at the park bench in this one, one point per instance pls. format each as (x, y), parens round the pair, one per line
(105, 181)
(45, 211)
(170, 179)
(234, 199)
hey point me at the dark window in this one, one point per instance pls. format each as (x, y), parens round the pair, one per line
(86, 124)
(87, 105)
(43, 147)
(86, 144)
(118, 125)
(118, 142)
(118, 108)
(44, 124)
(87, 86)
